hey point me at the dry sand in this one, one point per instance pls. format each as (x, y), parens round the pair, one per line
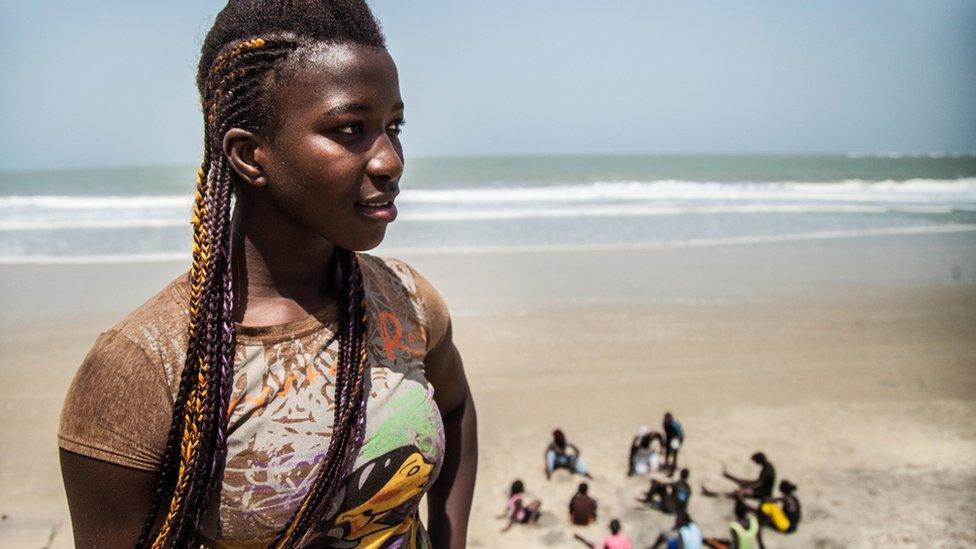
(850, 362)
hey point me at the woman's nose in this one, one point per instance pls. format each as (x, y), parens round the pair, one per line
(386, 160)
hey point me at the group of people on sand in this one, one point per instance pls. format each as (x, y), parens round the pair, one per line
(653, 451)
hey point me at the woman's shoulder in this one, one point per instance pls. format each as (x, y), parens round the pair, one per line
(119, 403)
(161, 320)
(154, 335)
(387, 273)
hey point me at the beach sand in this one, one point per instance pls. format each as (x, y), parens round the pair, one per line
(850, 362)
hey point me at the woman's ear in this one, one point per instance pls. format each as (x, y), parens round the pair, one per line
(244, 151)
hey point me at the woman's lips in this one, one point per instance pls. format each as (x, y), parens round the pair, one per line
(384, 212)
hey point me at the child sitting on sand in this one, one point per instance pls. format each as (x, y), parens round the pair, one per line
(669, 497)
(759, 488)
(518, 509)
(782, 513)
(561, 454)
(582, 508)
(685, 534)
(745, 532)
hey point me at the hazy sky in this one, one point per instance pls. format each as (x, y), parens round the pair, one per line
(99, 83)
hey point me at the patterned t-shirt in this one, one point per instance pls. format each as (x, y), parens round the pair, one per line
(281, 412)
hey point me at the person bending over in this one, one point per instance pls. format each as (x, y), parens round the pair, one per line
(562, 455)
(759, 488)
(644, 457)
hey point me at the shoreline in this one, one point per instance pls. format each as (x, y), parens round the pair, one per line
(692, 243)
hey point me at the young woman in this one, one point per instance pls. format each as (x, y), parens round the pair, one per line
(288, 391)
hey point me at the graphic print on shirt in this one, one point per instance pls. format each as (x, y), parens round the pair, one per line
(379, 504)
(280, 423)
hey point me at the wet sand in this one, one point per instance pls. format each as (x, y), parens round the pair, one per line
(850, 362)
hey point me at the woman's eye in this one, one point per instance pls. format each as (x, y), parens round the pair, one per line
(350, 129)
(396, 127)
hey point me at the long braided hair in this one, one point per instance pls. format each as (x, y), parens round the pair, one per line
(250, 42)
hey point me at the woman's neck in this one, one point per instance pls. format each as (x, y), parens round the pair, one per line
(281, 270)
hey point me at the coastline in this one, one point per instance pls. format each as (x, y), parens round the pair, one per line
(849, 361)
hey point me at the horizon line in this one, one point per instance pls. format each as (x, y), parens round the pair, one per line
(894, 155)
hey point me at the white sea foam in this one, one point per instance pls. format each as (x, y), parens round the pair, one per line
(599, 199)
(54, 225)
(71, 202)
(642, 210)
(914, 190)
(490, 214)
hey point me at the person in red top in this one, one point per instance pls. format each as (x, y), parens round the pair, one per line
(582, 508)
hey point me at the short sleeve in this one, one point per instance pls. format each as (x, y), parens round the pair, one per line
(118, 407)
(435, 314)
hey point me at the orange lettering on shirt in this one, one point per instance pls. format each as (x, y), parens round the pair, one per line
(390, 341)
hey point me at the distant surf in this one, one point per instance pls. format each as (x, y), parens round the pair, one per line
(124, 215)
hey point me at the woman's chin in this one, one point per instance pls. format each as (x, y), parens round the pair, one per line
(361, 243)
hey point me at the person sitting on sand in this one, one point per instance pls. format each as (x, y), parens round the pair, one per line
(582, 508)
(782, 513)
(760, 488)
(745, 532)
(674, 437)
(669, 497)
(685, 534)
(519, 510)
(644, 457)
(562, 454)
(614, 540)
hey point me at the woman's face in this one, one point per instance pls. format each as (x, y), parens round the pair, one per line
(334, 161)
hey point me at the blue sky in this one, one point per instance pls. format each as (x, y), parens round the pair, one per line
(101, 83)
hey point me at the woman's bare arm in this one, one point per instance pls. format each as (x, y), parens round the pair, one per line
(449, 500)
(108, 502)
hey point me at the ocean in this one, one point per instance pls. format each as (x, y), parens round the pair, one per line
(531, 202)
